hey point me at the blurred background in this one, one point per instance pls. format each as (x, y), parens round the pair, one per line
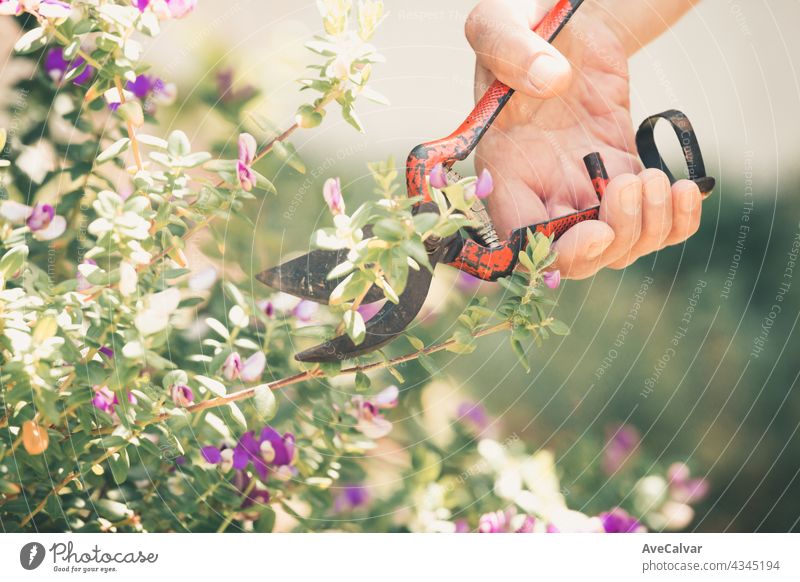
(696, 346)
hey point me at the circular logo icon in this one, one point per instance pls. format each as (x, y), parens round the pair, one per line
(31, 555)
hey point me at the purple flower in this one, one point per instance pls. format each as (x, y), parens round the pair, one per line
(143, 85)
(622, 441)
(147, 88)
(181, 395)
(474, 413)
(247, 153)
(484, 185)
(211, 454)
(332, 193)
(438, 177)
(263, 451)
(104, 399)
(227, 94)
(166, 9)
(552, 279)
(56, 66)
(107, 352)
(232, 366)
(682, 487)
(41, 219)
(619, 521)
(466, 282)
(350, 497)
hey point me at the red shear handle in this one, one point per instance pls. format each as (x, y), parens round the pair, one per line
(462, 141)
(492, 263)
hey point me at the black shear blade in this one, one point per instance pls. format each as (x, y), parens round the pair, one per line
(384, 326)
(306, 277)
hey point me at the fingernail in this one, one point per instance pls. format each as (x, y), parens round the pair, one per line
(630, 199)
(687, 201)
(657, 191)
(544, 71)
(596, 249)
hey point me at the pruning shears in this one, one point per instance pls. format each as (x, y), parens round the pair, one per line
(479, 250)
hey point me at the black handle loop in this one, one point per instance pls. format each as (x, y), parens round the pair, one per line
(651, 158)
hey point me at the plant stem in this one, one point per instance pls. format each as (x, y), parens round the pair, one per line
(247, 393)
(131, 129)
(71, 477)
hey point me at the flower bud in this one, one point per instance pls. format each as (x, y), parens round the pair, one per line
(484, 185)
(438, 177)
(552, 279)
(182, 395)
(332, 193)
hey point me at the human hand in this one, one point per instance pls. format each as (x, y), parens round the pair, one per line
(570, 102)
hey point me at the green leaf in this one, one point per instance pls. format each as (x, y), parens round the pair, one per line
(13, 260)
(113, 510)
(558, 327)
(415, 342)
(114, 150)
(519, 351)
(178, 144)
(266, 521)
(265, 402)
(215, 387)
(119, 463)
(389, 230)
(355, 326)
(31, 40)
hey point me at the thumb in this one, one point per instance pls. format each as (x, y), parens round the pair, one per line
(513, 53)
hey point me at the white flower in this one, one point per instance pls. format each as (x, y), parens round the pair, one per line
(128, 279)
(153, 314)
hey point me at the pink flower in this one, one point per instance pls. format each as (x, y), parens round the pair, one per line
(41, 219)
(682, 487)
(332, 193)
(368, 412)
(105, 400)
(247, 153)
(369, 310)
(182, 395)
(438, 177)
(305, 310)
(552, 279)
(10, 8)
(232, 366)
(622, 442)
(166, 9)
(253, 367)
(181, 8)
(485, 184)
